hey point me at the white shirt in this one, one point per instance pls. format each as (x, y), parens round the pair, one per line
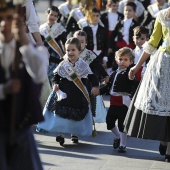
(31, 19)
(112, 18)
(35, 59)
(126, 26)
(138, 52)
(94, 29)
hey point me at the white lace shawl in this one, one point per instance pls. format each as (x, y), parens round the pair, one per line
(81, 67)
(56, 29)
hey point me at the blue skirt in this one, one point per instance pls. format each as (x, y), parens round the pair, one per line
(55, 123)
(100, 110)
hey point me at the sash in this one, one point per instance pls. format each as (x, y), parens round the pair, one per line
(71, 72)
(65, 10)
(82, 23)
(52, 43)
(77, 15)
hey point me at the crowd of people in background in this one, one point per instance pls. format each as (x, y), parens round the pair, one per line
(119, 48)
(113, 34)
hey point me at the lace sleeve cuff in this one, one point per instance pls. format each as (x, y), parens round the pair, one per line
(148, 48)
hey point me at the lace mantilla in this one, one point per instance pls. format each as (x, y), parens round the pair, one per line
(56, 29)
(154, 94)
(81, 67)
(87, 55)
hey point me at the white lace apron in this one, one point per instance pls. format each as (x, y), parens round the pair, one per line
(154, 94)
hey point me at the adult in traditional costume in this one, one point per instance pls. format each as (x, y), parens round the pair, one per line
(149, 113)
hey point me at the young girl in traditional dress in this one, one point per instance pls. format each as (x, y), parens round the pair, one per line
(65, 8)
(90, 58)
(68, 107)
(76, 15)
(149, 113)
(53, 33)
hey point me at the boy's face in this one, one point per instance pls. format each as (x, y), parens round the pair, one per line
(123, 61)
(129, 12)
(95, 18)
(139, 41)
(114, 7)
(6, 18)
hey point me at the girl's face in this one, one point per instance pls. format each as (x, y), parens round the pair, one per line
(52, 17)
(72, 52)
(82, 39)
(123, 61)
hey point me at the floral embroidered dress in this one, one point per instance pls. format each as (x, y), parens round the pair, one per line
(149, 115)
(72, 114)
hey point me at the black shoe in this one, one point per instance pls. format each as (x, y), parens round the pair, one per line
(162, 149)
(122, 149)
(74, 139)
(116, 143)
(60, 139)
(167, 158)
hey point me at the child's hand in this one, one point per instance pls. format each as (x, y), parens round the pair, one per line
(104, 64)
(106, 79)
(110, 51)
(55, 87)
(95, 91)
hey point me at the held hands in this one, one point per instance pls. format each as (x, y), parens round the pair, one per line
(95, 91)
(12, 86)
(55, 87)
(132, 73)
(106, 79)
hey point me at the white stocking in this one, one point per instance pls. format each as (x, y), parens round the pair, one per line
(115, 130)
(123, 137)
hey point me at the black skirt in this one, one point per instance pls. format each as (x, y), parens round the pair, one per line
(141, 125)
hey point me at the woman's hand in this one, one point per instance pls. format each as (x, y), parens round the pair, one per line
(12, 86)
(132, 72)
(18, 30)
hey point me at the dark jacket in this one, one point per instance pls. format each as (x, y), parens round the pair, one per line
(105, 21)
(27, 108)
(117, 32)
(122, 83)
(101, 37)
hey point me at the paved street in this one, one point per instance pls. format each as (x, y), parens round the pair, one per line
(96, 153)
